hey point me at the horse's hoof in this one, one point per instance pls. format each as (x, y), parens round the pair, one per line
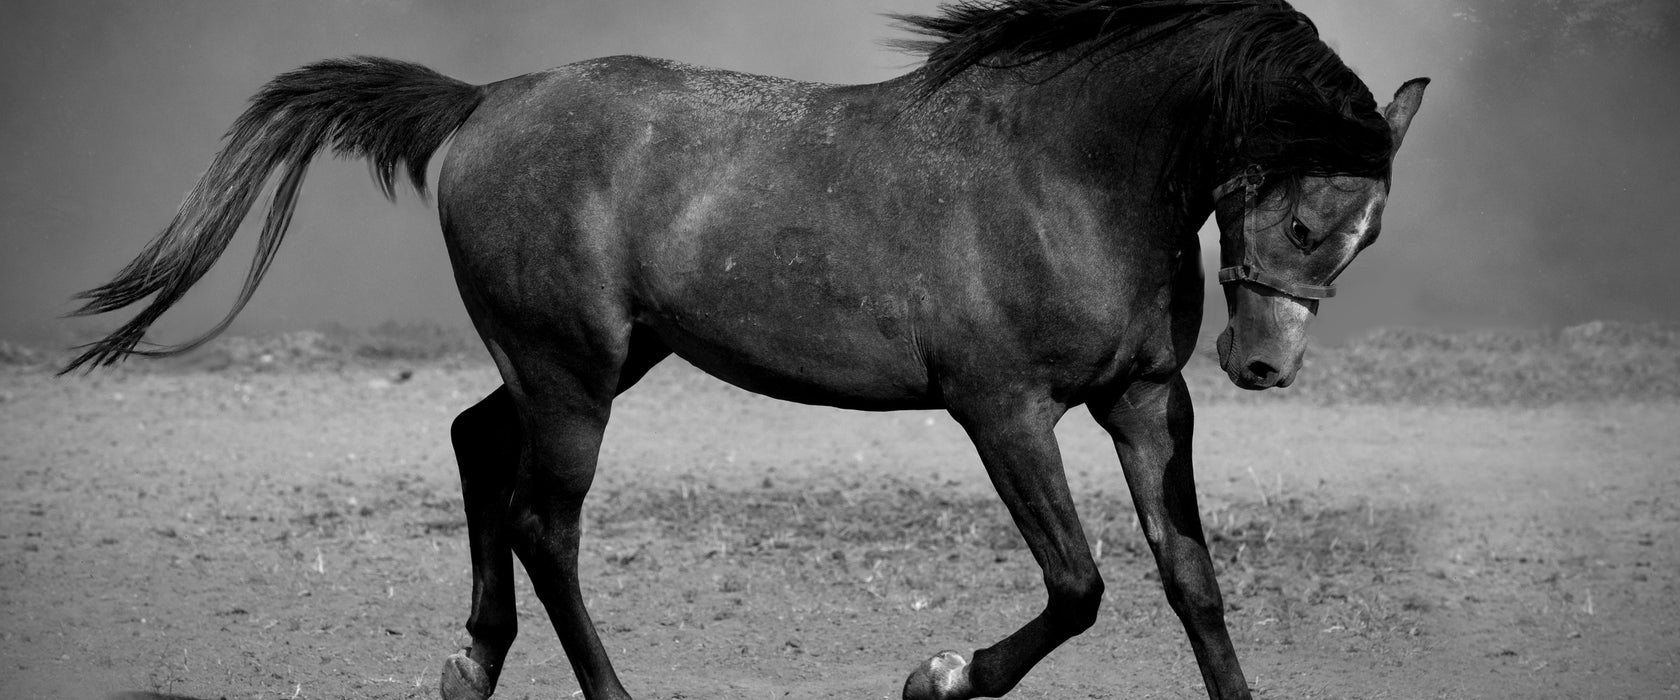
(943, 677)
(463, 679)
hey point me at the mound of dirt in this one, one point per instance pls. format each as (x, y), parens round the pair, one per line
(1597, 361)
(333, 347)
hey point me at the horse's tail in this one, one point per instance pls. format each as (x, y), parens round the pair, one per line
(390, 112)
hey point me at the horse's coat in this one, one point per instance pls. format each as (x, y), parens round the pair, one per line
(1006, 233)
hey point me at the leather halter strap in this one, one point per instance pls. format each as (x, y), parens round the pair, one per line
(1247, 273)
(1249, 269)
(1241, 181)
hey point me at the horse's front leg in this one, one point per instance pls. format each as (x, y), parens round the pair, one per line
(1015, 438)
(1151, 424)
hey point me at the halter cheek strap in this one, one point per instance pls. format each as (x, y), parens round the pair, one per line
(1243, 181)
(1249, 270)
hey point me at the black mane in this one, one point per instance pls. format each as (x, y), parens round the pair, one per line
(1268, 94)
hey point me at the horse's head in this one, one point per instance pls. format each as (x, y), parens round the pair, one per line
(1281, 247)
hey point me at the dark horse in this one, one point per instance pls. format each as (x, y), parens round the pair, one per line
(1005, 233)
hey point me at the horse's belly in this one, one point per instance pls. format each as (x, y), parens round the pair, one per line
(791, 327)
(811, 358)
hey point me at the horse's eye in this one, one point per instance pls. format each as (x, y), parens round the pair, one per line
(1301, 234)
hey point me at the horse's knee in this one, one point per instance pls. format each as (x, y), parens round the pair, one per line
(539, 518)
(1193, 597)
(1075, 597)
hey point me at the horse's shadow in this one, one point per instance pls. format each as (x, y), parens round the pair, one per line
(143, 695)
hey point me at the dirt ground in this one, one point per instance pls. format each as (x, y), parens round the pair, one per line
(293, 534)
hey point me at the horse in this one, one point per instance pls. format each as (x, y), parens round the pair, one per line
(1007, 232)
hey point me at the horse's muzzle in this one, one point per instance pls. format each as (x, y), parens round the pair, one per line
(1256, 368)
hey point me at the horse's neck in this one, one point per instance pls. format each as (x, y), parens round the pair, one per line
(1113, 122)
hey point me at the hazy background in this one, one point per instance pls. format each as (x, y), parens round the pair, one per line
(1536, 187)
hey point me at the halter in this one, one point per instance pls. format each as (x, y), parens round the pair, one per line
(1249, 270)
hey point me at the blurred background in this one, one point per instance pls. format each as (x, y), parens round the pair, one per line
(1533, 190)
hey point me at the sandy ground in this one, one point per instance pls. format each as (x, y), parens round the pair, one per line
(299, 535)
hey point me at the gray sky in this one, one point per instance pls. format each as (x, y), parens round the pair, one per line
(1529, 192)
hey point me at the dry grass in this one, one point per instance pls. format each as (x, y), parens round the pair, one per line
(1287, 560)
(273, 529)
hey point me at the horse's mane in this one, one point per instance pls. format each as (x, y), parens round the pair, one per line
(1268, 93)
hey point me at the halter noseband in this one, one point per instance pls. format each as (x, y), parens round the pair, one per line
(1249, 270)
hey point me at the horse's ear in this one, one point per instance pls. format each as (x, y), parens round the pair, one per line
(1399, 112)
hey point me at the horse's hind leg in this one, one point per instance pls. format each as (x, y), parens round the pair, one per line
(487, 446)
(489, 443)
(564, 397)
(564, 421)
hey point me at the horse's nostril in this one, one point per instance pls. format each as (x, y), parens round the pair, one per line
(1261, 369)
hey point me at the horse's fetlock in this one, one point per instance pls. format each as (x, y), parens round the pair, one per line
(498, 631)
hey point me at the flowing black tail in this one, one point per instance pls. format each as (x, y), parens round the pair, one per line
(390, 112)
